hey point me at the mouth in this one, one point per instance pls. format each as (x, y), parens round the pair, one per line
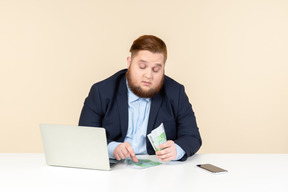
(146, 83)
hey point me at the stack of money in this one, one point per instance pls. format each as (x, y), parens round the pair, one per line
(157, 137)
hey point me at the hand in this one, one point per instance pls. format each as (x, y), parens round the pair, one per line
(124, 150)
(168, 151)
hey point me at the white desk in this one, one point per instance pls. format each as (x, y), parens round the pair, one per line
(247, 172)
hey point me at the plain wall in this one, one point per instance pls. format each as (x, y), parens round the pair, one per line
(231, 56)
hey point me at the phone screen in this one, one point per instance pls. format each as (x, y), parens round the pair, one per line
(212, 168)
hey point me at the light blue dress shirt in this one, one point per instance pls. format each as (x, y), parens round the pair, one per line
(138, 111)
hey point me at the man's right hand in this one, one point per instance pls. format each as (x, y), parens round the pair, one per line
(124, 150)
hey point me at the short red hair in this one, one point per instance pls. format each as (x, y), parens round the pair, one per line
(149, 43)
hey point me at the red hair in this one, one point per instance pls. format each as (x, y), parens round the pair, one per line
(149, 43)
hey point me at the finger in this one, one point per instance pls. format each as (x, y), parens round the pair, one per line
(162, 146)
(120, 154)
(129, 149)
(115, 153)
(168, 143)
(167, 157)
(131, 153)
(117, 156)
(164, 157)
(134, 158)
(124, 153)
(162, 152)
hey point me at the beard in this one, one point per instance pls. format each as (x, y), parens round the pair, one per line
(137, 90)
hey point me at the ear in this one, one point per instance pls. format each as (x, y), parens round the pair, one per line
(128, 62)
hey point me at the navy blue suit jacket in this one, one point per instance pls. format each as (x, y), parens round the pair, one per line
(107, 106)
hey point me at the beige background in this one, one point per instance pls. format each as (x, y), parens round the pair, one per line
(230, 55)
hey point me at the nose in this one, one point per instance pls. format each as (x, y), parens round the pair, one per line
(148, 74)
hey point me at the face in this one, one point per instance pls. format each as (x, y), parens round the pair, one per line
(145, 73)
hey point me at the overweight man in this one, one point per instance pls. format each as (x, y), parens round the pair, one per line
(134, 101)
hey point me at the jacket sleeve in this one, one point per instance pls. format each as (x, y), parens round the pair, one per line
(92, 114)
(188, 136)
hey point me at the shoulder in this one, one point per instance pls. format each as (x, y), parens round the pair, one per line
(112, 80)
(171, 87)
(111, 84)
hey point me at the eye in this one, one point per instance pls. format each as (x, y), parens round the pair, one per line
(142, 66)
(156, 69)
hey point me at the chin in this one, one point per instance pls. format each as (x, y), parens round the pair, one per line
(146, 89)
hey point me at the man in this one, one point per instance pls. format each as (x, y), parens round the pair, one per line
(133, 102)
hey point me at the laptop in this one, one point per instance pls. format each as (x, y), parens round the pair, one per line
(76, 146)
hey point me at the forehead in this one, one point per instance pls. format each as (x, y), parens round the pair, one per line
(149, 57)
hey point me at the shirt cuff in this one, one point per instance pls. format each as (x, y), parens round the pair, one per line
(111, 147)
(180, 152)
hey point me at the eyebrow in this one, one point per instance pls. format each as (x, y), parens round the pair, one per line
(159, 65)
(144, 61)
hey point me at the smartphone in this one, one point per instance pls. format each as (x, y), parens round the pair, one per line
(212, 168)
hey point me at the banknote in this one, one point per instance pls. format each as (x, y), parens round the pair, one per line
(157, 137)
(141, 164)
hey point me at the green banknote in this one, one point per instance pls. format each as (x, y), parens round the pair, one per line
(142, 163)
(157, 137)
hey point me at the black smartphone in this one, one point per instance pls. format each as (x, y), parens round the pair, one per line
(212, 168)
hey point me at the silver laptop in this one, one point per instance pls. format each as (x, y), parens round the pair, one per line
(76, 146)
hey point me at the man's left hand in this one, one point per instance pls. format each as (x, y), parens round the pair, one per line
(168, 151)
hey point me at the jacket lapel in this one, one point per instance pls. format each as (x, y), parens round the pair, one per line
(122, 102)
(155, 106)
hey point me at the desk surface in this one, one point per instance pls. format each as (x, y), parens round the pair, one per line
(247, 172)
